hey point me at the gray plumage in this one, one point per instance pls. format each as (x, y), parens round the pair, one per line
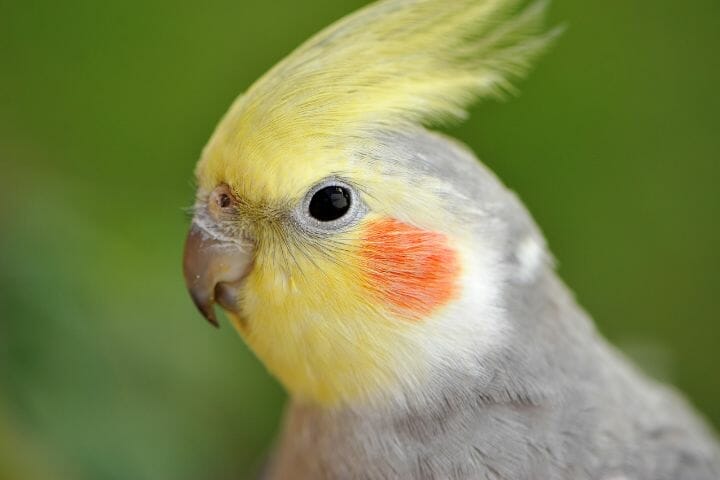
(554, 402)
(457, 355)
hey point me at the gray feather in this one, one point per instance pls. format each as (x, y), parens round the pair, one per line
(556, 402)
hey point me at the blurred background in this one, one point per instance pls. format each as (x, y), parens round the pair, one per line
(107, 371)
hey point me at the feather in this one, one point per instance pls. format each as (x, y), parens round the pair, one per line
(393, 64)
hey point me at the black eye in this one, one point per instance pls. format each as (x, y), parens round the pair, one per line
(330, 203)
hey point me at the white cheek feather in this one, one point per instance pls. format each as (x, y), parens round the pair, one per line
(531, 255)
(469, 328)
(475, 322)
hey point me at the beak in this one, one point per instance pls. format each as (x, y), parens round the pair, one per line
(214, 271)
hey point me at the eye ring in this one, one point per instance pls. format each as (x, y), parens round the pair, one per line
(331, 205)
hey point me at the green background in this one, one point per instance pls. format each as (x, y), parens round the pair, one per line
(107, 372)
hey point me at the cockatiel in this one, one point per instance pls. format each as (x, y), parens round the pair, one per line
(402, 295)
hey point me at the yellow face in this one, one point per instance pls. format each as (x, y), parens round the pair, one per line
(334, 308)
(351, 259)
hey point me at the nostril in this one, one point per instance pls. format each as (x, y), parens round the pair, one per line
(222, 201)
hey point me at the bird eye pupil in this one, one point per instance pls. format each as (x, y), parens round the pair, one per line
(330, 203)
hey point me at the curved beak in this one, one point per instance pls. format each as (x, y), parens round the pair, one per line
(214, 271)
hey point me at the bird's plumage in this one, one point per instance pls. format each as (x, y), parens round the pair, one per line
(553, 401)
(392, 66)
(423, 333)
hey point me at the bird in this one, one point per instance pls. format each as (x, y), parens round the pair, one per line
(403, 295)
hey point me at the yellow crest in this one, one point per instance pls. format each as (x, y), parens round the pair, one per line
(393, 64)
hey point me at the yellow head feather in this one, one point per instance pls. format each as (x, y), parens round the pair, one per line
(393, 64)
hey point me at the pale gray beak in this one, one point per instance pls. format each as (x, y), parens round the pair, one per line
(214, 271)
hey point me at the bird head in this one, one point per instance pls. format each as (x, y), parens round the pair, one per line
(355, 251)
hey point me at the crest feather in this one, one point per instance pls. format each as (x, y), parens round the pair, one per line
(391, 65)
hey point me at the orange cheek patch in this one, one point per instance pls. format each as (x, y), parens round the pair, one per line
(413, 270)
